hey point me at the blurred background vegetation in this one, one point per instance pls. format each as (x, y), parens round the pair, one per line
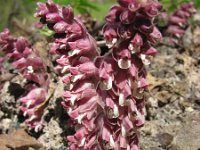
(23, 10)
(171, 5)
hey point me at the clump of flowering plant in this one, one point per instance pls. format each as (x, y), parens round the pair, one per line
(178, 22)
(104, 94)
(30, 66)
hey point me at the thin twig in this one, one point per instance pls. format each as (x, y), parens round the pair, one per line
(98, 27)
(14, 9)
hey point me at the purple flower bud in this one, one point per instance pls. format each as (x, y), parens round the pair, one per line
(152, 9)
(60, 27)
(106, 69)
(42, 10)
(68, 14)
(53, 18)
(88, 69)
(188, 7)
(114, 14)
(174, 31)
(127, 17)
(143, 24)
(182, 14)
(52, 7)
(123, 57)
(30, 108)
(136, 43)
(21, 44)
(134, 6)
(155, 36)
(125, 32)
(149, 51)
(110, 34)
(177, 21)
(21, 63)
(80, 47)
(74, 29)
(64, 61)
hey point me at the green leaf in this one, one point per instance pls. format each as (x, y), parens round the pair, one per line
(171, 5)
(80, 5)
(46, 32)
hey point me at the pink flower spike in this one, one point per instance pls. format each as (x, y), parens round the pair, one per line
(124, 97)
(178, 22)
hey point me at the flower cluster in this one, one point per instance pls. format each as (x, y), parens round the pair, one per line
(130, 33)
(104, 95)
(178, 21)
(30, 66)
(76, 51)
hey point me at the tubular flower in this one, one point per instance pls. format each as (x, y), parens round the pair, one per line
(130, 33)
(23, 58)
(178, 21)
